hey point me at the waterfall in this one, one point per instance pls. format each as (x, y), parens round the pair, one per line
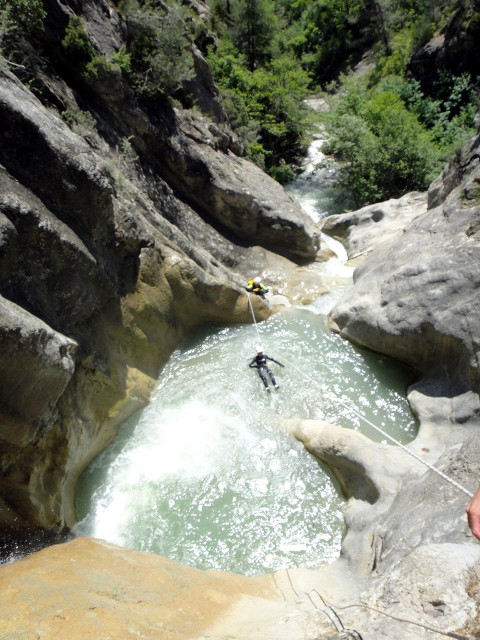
(207, 476)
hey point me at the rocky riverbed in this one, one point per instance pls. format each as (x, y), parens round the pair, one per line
(108, 259)
(409, 567)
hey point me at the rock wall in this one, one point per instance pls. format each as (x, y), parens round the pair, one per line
(414, 298)
(409, 567)
(116, 238)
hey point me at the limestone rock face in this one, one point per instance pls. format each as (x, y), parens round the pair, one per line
(119, 233)
(236, 194)
(88, 589)
(415, 297)
(360, 231)
(203, 87)
(91, 589)
(36, 364)
(406, 544)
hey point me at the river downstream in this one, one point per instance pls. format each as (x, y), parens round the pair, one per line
(207, 476)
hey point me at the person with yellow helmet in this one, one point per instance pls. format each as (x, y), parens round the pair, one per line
(260, 363)
(256, 286)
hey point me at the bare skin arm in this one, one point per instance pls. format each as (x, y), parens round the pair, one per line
(473, 514)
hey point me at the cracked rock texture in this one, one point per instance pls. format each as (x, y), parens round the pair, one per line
(117, 237)
(106, 262)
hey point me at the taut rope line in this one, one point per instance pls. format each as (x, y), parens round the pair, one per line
(392, 439)
(253, 315)
(367, 421)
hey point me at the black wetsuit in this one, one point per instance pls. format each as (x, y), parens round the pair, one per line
(260, 362)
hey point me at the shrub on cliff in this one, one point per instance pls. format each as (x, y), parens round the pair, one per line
(385, 150)
(18, 20)
(158, 43)
(89, 66)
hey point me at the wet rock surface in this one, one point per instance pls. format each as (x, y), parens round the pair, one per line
(106, 265)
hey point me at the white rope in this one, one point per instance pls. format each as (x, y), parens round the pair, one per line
(392, 439)
(253, 315)
(367, 421)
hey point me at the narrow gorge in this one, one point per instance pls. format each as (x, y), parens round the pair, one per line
(120, 238)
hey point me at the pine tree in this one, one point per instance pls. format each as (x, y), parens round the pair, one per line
(253, 30)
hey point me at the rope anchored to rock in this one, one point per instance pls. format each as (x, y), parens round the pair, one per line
(443, 475)
(330, 611)
(392, 439)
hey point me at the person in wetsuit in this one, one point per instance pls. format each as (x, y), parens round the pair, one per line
(256, 286)
(260, 362)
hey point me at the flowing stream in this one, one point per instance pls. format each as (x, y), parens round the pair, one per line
(207, 476)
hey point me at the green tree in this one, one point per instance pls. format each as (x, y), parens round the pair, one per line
(253, 30)
(334, 34)
(265, 106)
(385, 150)
(76, 42)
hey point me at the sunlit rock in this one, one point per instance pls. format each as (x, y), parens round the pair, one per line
(415, 297)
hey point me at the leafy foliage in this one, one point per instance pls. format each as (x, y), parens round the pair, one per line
(449, 115)
(328, 36)
(264, 105)
(253, 29)
(88, 65)
(76, 42)
(155, 58)
(159, 47)
(391, 139)
(18, 20)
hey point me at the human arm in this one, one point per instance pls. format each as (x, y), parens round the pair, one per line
(273, 360)
(253, 363)
(473, 514)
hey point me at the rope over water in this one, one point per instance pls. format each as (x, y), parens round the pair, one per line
(253, 316)
(367, 421)
(330, 610)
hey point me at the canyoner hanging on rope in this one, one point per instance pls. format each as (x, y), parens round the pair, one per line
(260, 363)
(311, 380)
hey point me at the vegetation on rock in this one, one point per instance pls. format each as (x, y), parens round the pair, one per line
(391, 134)
(19, 20)
(158, 40)
(391, 126)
